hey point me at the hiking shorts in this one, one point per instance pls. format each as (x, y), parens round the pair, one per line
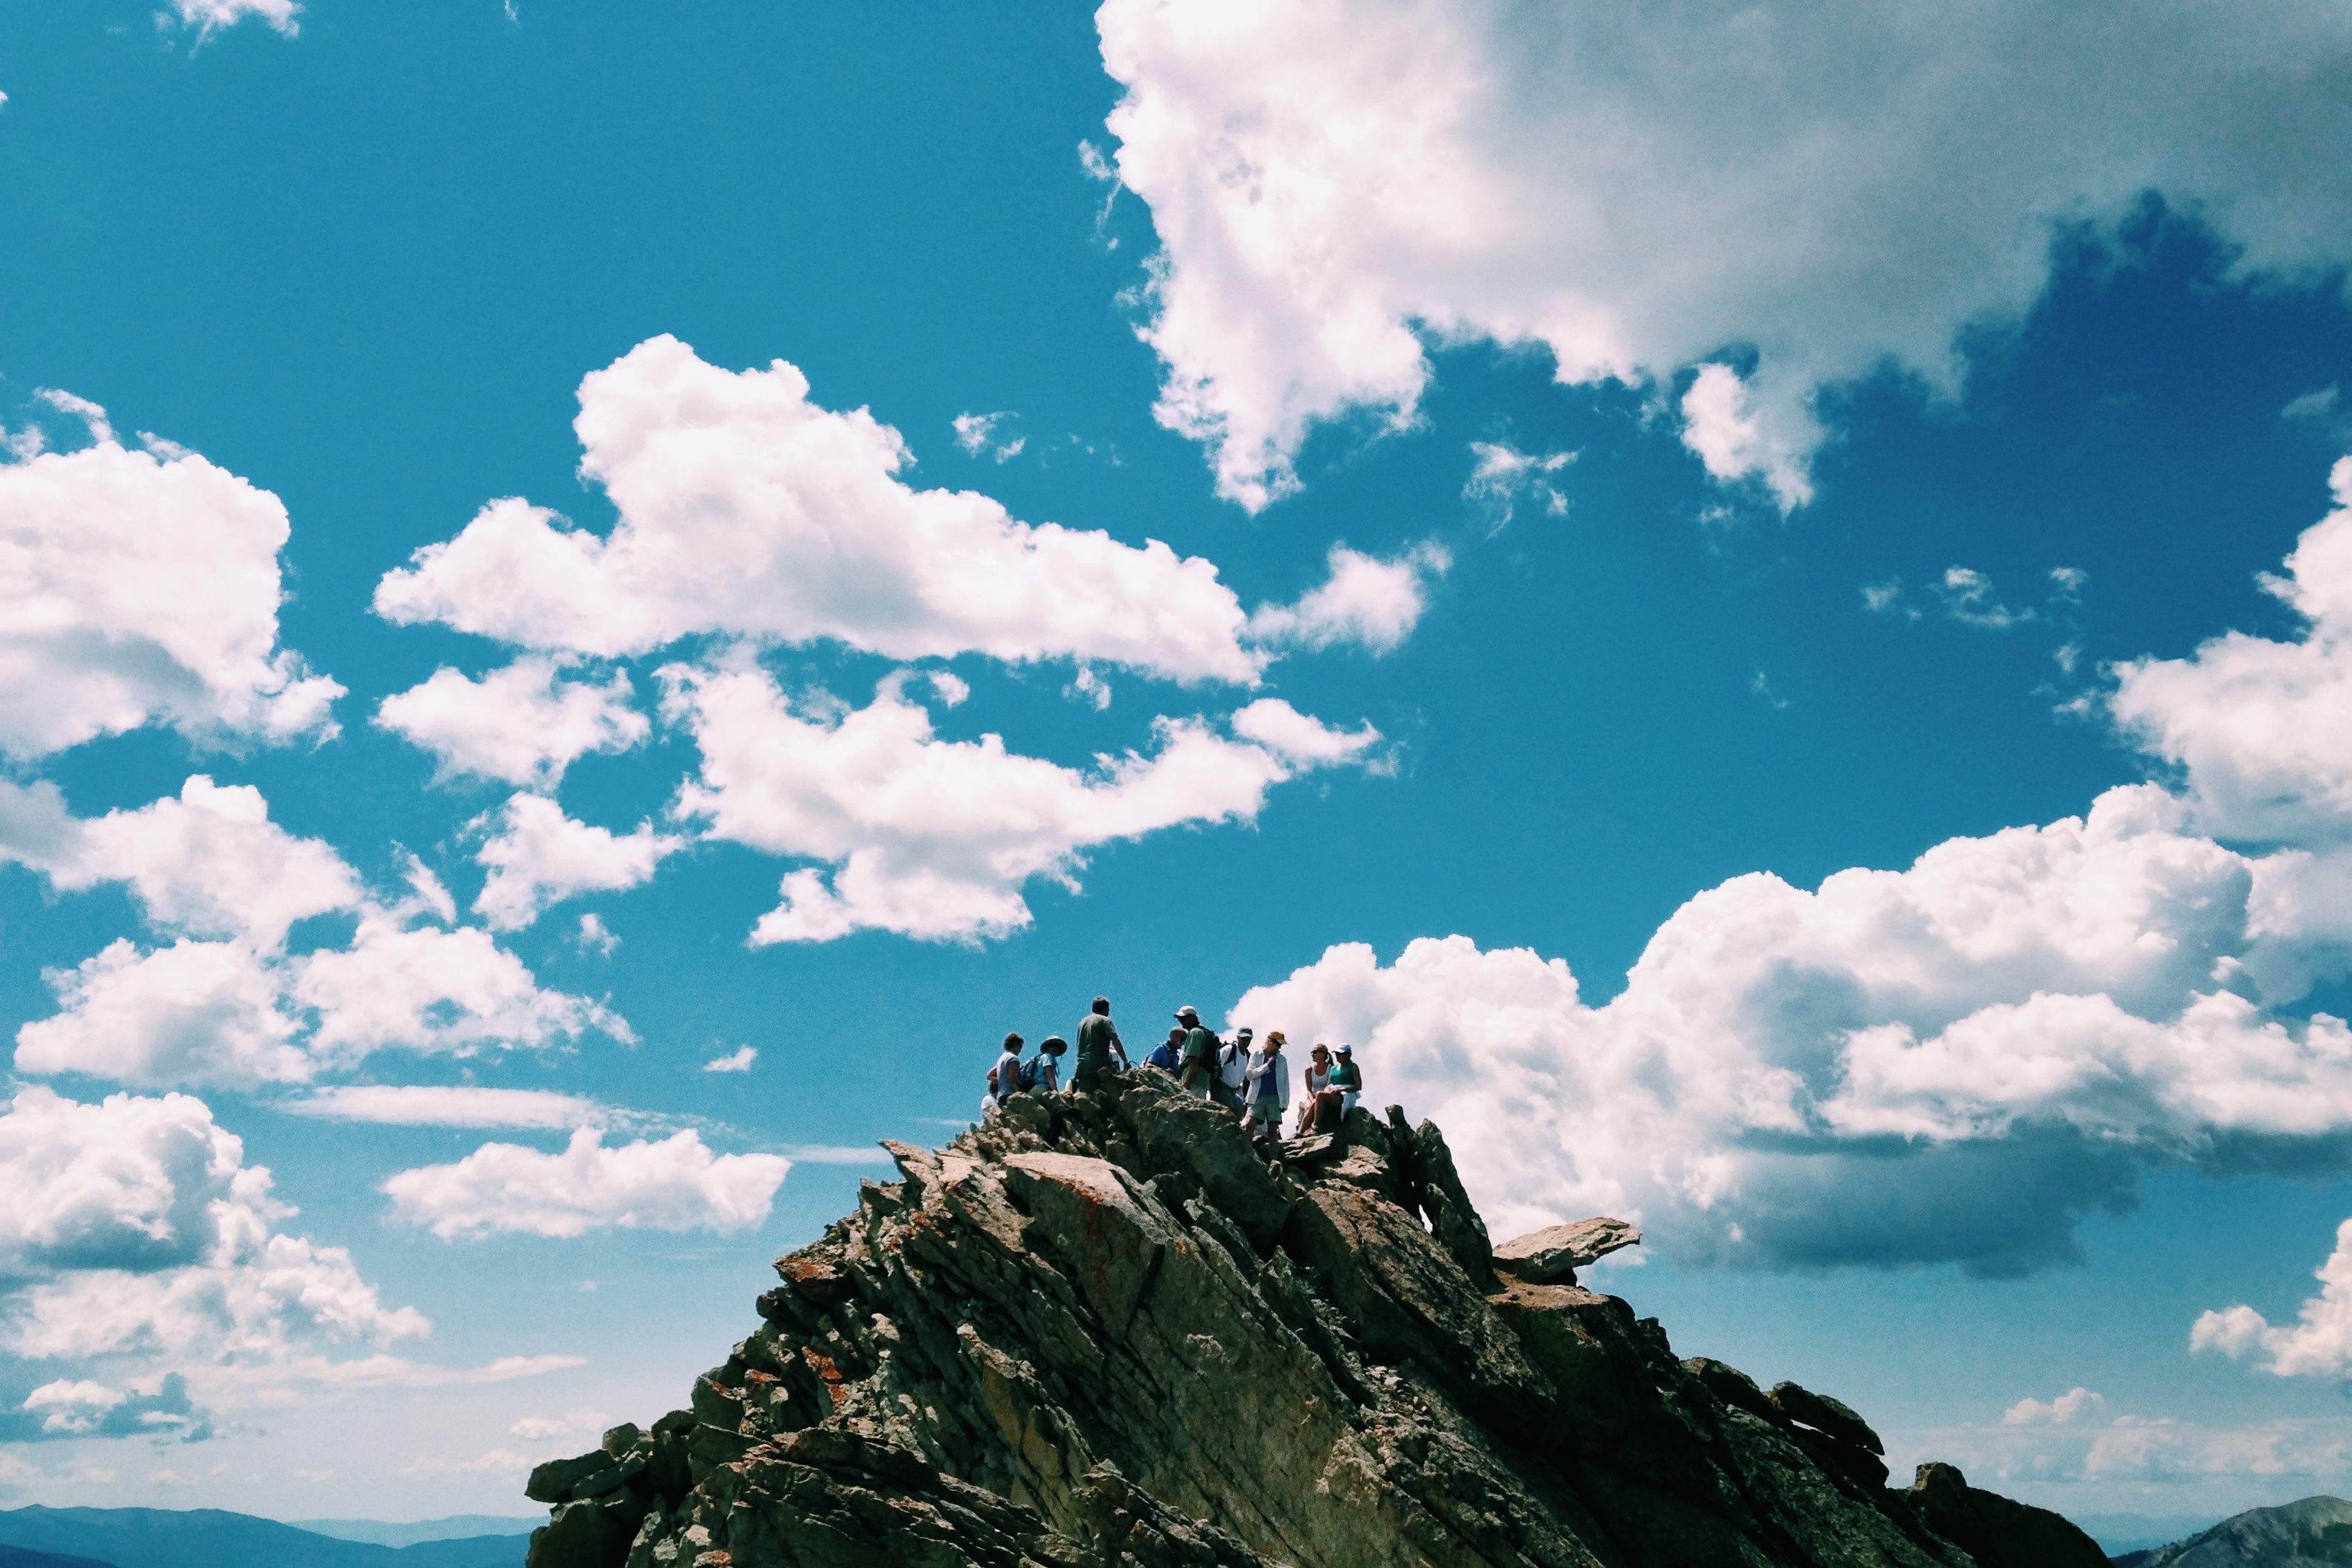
(1266, 1112)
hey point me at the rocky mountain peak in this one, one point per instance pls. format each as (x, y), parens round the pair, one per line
(1113, 1332)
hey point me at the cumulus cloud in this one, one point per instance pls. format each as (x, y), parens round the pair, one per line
(2317, 1344)
(225, 1003)
(675, 1184)
(935, 839)
(1335, 182)
(136, 1236)
(539, 857)
(747, 510)
(98, 633)
(81, 1407)
(451, 1105)
(1988, 1045)
(2063, 1411)
(522, 724)
(2258, 725)
(1366, 600)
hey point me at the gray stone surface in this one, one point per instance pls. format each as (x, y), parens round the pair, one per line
(1552, 1255)
(1150, 1344)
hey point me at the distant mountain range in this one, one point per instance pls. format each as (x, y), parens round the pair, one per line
(38, 1537)
(2307, 1534)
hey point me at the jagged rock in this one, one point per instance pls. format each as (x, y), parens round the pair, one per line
(1998, 1532)
(1825, 1415)
(1146, 1345)
(1552, 1256)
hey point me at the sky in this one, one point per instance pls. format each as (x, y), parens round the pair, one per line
(1754, 602)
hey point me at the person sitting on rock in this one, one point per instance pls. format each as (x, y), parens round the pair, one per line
(1347, 1081)
(1319, 1078)
(1004, 1077)
(1099, 1043)
(988, 1100)
(1168, 1055)
(1045, 1072)
(1198, 1073)
(1268, 1093)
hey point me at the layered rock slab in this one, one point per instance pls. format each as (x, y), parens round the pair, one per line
(1152, 1342)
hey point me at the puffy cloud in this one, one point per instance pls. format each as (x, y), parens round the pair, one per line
(209, 16)
(1954, 1061)
(1827, 188)
(97, 631)
(521, 724)
(195, 1012)
(137, 1237)
(747, 510)
(240, 1011)
(539, 856)
(935, 838)
(429, 989)
(80, 1407)
(452, 1105)
(210, 863)
(675, 1184)
(738, 1060)
(2259, 725)
(2318, 1344)
(1367, 600)
(2063, 1411)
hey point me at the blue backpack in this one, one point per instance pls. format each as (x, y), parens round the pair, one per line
(1028, 1074)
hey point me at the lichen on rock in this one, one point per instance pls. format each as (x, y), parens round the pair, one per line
(1152, 1342)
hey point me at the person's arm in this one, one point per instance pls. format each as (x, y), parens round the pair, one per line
(1119, 1049)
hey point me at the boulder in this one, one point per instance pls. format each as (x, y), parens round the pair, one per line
(1826, 1416)
(1554, 1253)
(1998, 1532)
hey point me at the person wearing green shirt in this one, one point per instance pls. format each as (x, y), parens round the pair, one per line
(1098, 1042)
(1197, 1066)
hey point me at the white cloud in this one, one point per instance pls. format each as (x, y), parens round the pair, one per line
(209, 16)
(539, 856)
(1645, 194)
(1366, 600)
(675, 1184)
(426, 989)
(2318, 1344)
(1990, 1044)
(1503, 475)
(976, 434)
(1968, 598)
(136, 1235)
(521, 724)
(98, 633)
(573, 1422)
(2063, 1411)
(935, 839)
(747, 510)
(2259, 726)
(193, 1012)
(455, 1105)
(239, 1011)
(739, 1060)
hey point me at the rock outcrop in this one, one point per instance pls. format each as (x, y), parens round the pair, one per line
(1146, 1342)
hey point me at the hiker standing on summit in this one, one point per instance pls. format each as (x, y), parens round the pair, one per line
(1098, 1042)
(1198, 1074)
(1268, 1089)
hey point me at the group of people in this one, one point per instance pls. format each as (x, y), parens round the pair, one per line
(1245, 1075)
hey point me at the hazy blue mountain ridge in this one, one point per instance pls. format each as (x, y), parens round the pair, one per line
(468, 1526)
(210, 1538)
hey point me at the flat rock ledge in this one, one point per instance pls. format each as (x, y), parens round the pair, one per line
(1151, 1343)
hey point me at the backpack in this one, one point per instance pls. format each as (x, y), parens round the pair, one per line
(1029, 1072)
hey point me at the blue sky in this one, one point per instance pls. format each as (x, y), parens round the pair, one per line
(1597, 468)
